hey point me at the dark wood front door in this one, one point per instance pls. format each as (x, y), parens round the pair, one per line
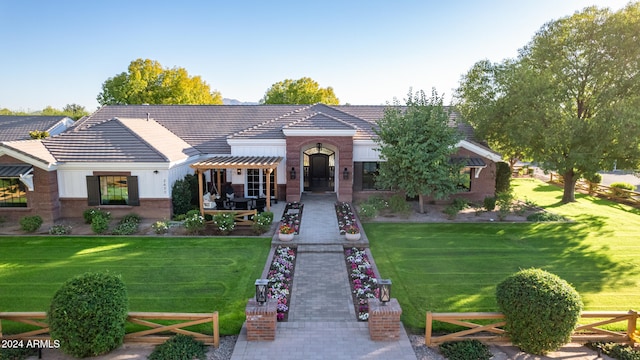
(319, 173)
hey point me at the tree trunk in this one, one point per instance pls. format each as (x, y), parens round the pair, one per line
(570, 180)
(421, 203)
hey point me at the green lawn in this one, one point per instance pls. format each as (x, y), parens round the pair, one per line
(447, 267)
(161, 274)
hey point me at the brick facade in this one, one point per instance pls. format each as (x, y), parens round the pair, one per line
(43, 200)
(261, 320)
(148, 209)
(344, 159)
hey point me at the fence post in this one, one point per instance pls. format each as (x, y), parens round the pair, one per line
(429, 327)
(631, 326)
(216, 330)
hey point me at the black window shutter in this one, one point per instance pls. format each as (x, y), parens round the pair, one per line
(357, 176)
(134, 195)
(93, 190)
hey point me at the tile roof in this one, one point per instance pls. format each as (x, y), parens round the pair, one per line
(107, 141)
(161, 133)
(31, 148)
(17, 127)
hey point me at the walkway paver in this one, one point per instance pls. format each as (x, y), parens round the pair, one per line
(322, 322)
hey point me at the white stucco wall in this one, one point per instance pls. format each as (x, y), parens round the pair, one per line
(260, 148)
(365, 150)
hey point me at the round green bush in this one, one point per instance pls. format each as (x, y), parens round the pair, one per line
(179, 347)
(88, 314)
(618, 189)
(30, 223)
(541, 310)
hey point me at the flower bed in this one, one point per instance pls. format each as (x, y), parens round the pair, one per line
(363, 281)
(280, 278)
(346, 217)
(292, 216)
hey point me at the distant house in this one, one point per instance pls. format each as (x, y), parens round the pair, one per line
(127, 158)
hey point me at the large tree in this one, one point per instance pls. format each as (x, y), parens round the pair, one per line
(147, 82)
(416, 143)
(302, 91)
(570, 101)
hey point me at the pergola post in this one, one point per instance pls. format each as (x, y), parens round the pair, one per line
(200, 194)
(269, 170)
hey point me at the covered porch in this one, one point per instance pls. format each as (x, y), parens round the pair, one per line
(268, 164)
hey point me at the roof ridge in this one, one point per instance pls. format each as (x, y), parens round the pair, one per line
(270, 121)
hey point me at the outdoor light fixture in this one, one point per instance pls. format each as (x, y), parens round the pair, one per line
(239, 171)
(345, 174)
(292, 173)
(319, 147)
(385, 290)
(261, 291)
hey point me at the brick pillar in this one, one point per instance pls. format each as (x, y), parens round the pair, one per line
(384, 320)
(261, 320)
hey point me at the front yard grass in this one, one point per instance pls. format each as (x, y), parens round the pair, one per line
(162, 274)
(455, 267)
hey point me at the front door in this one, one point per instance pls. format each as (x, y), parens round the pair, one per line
(319, 173)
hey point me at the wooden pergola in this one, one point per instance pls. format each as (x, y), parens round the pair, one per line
(268, 163)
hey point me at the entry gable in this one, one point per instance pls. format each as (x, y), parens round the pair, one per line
(319, 124)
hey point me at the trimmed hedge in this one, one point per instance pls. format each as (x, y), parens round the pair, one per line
(541, 310)
(503, 177)
(30, 223)
(88, 314)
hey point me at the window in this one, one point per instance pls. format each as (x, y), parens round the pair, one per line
(465, 180)
(369, 172)
(12, 193)
(257, 182)
(113, 190)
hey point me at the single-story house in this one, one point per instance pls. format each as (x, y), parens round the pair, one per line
(126, 158)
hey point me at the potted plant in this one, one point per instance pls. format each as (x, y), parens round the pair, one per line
(352, 232)
(285, 232)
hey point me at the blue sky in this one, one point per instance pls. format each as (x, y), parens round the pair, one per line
(60, 52)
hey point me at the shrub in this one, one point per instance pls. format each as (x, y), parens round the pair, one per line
(367, 211)
(179, 347)
(616, 351)
(490, 203)
(88, 314)
(127, 225)
(504, 201)
(100, 222)
(465, 350)
(224, 222)
(593, 178)
(131, 218)
(541, 310)
(262, 223)
(181, 196)
(125, 228)
(160, 227)
(545, 216)
(503, 177)
(18, 353)
(377, 202)
(617, 189)
(30, 223)
(90, 213)
(194, 222)
(451, 210)
(398, 204)
(60, 230)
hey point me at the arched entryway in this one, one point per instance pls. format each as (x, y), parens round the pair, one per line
(319, 168)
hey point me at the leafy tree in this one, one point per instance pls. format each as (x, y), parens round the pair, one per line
(75, 111)
(416, 144)
(570, 101)
(302, 91)
(147, 82)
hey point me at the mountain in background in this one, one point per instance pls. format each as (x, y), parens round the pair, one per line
(226, 101)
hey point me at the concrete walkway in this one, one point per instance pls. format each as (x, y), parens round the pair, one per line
(322, 322)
